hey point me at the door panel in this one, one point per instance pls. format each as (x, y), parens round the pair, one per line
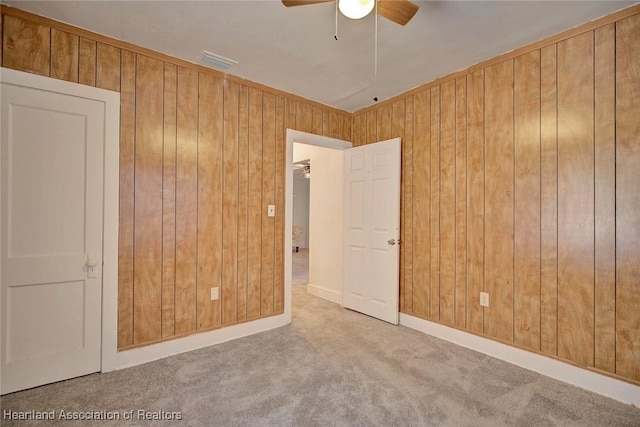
(372, 229)
(51, 247)
(60, 194)
(33, 308)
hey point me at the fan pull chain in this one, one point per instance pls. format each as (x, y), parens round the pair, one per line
(375, 56)
(335, 35)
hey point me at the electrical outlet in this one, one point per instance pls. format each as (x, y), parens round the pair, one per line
(214, 294)
(484, 299)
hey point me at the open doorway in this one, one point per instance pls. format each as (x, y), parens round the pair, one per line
(341, 229)
(300, 231)
(326, 158)
(326, 227)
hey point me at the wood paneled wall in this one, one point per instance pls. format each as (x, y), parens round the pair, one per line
(201, 157)
(520, 179)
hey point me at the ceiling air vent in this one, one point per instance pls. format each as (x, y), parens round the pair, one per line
(217, 61)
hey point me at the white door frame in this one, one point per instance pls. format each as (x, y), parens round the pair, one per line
(110, 201)
(309, 139)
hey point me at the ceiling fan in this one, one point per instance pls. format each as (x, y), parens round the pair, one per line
(398, 11)
(303, 168)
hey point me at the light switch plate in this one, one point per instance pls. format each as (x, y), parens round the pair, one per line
(271, 210)
(215, 294)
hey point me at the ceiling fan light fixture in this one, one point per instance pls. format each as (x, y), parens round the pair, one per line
(356, 9)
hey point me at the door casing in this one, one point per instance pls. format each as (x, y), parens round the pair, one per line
(294, 136)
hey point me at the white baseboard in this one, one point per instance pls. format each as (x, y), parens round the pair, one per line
(589, 380)
(137, 356)
(328, 294)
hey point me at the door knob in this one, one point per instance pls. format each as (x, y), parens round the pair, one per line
(92, 262)
(392, 242)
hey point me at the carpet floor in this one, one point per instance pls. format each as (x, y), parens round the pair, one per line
(329, 367)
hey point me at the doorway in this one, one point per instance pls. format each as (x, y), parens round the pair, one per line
(300, 230)
(325, 155)
(327, 216)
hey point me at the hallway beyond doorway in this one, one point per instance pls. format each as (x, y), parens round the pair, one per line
(300, 267)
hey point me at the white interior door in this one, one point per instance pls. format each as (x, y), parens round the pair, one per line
(51, 188)
(372, 230)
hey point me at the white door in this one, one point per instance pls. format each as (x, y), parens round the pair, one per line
(372, 230)
(51, 189)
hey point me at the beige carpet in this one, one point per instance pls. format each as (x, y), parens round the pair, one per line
(330, 367)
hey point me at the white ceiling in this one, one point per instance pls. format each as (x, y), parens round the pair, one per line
(293, 49)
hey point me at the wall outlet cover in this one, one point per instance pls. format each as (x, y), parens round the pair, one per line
(484, 299)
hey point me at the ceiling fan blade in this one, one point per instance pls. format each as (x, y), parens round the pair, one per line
(290, 3)
(398, 11)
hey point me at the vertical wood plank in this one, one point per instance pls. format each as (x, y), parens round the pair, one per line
(278, 290)
(498, 317)
(210, 201)
(268, 198)
(527, 201)
(64, 56)
(87, 62)
(383, 122)
(461, 203)
(169, 201)
(357, 125)
(107, 67)
(243, 199)
(398, 119)
(575, 199)
(364, 129)
(290, 113)
(372, 127)
(549, 202)
(334, 124)
(421, 193)
(627, 198)
(255, 203)
(230, 205)
(434, 224)
(147, 272)
(26, 46)
(186, 200)
(475, 200)
(304, 117)
(346, 132)
(317, 120)
(605, 199)
(126, 200)
(325, 123)
(447, 229)
(407, 205)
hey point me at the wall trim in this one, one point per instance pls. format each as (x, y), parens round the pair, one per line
(583, 378)
(324, 293)
(149, 353)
